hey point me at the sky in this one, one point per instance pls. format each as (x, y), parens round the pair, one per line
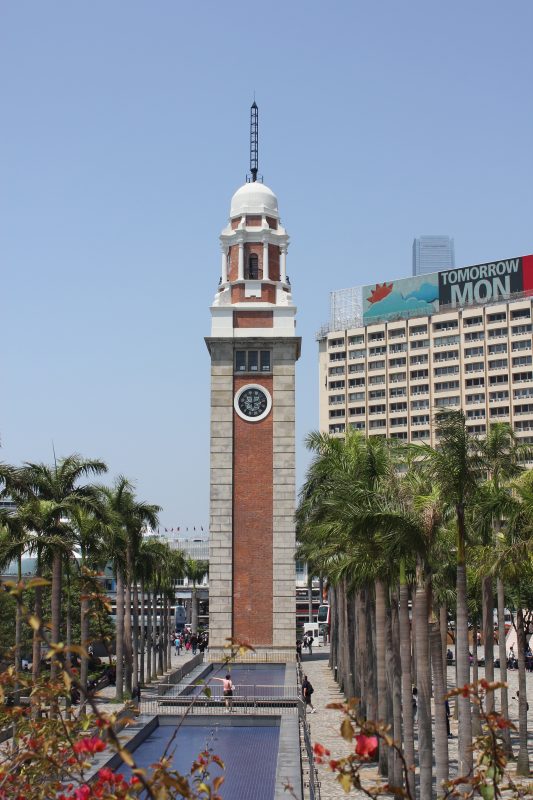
(125, 131)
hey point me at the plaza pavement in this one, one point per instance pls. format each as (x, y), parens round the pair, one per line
(325, 724)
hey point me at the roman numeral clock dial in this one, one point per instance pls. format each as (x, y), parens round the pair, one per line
(253, 402)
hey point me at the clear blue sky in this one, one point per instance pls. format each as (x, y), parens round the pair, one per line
(124, 134)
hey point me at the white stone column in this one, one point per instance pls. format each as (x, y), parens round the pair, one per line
(224, 264)
(240, 272)
(283, 264)
(266, 275)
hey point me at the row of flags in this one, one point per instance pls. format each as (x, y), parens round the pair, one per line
(171, 530)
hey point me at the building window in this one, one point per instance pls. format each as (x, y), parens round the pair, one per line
(252, 270)
(252, 361)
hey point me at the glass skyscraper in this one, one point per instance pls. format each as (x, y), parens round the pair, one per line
(432, 253)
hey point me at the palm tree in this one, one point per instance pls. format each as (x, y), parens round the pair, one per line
(55, 493)
(195, 571)
(91, 532)
(455, 467)
(130, 518)
(14, 541)
(504, 456)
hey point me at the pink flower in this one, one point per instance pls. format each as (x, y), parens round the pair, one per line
(367, 746)
(89, 745)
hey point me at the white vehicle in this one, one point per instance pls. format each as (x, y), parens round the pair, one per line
(312, 628)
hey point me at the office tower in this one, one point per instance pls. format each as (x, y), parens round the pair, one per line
(432, 253)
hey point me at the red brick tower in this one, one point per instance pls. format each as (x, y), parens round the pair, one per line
(254, 348)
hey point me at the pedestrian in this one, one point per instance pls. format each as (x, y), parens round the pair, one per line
(310, 640)
(194, 643)
(307, 691)
(447, 707)
(298, 650)
(227, 691)
(177, 644)
(136, 695)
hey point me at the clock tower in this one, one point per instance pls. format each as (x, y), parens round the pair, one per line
(254, 349)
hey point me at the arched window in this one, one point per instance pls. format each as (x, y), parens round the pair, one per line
(252, 272)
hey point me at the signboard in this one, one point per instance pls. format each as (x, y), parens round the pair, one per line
(480, 283)
(452, 288)
(398, 299)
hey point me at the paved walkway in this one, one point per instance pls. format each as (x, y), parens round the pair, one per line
(325, 724)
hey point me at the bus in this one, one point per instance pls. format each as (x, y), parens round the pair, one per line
(323, 619)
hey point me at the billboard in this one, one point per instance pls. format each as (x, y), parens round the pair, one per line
(452, 288)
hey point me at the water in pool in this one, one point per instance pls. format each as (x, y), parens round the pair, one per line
(249, 753)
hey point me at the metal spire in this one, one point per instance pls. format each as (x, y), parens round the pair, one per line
(254, 140)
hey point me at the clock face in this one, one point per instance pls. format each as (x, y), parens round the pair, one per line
(253, 402)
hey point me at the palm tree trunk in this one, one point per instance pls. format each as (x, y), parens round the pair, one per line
(476, 718)
(18, 619)
(142, 633)
(69, 611)
(362, 651)
(487, 602)
(465, 759)
(171, 625)
(413, 633)
(394, 675)
(127, 633)
(194, 609)
(165, 634)
(149, 635)
(161, 636)
(57, 574)
(371, 685)
(135, 680)
(443, 625)
(155, 635)
(380, 629)
(119, 637)
(439, 695)
(84, 631)
(351, 601)
(38, 611)
(502, 653)
(522, 762)
(423, 673)
(407, 699)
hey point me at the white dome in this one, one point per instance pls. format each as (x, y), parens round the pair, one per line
(254, 198)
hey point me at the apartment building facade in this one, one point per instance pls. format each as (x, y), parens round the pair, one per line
(388, 377)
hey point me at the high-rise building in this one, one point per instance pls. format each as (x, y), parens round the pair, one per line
(459, 339)
(432, 253)
(254, 349)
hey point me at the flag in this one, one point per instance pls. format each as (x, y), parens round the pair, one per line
(166, 530)
(194, 528)
(201, 528)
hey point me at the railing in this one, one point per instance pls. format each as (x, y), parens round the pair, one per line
(181, 672)
(309, 775)
(248, 699)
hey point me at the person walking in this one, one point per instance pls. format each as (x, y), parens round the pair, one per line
(177, 644)
(227, 691)
(307, 691)
(310, 640)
